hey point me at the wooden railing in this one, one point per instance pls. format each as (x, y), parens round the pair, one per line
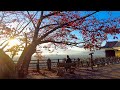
(42, 64)
(34, 64)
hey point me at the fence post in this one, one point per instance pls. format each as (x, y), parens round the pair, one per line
(88, 64)
(37, 66)
(49, 64)
(58, 63)
(58, 60)
(82, 63)
(91, 60)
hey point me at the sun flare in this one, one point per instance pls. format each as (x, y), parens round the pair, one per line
(13, 42)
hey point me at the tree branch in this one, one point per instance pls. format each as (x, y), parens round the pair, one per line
(20, 25)
(27, 24)
(40, 19)
(47, 26)
(42, 37)
(38, 25)
(26, 40)
(3, 42)
(51, 14)
(31, 19)
(60, 42)
(5, 45)
(16, 29)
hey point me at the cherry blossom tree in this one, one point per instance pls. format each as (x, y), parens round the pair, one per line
(56, 28)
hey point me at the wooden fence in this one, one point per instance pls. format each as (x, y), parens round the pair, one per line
(34, 64)
(42, 64)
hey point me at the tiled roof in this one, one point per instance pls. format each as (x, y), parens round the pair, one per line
(117, 44)
(110, 44)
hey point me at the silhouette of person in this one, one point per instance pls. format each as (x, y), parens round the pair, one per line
(68, 61)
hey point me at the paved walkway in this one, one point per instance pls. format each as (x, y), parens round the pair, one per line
(106, 72)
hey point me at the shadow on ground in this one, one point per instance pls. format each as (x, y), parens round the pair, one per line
(107, 72)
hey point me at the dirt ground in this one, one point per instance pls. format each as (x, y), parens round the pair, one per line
(106, 72)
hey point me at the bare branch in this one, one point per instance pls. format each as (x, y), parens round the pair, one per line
(16, 30)
(20, 26)
(31, 19)
(38, 25)
(40, 19)
(27, 24)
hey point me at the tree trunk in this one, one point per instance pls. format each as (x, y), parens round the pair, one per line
(24, 60)
(7, 67)
(20, 61)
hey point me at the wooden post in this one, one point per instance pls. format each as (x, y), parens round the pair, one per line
(78, 62)
(58, 60)
(74, 60)
(87, 63)
(49, 64)
(81, 63)
(58, 63)
(37, 66)
(91, 60)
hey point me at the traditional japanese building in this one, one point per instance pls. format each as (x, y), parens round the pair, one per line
(112, 49)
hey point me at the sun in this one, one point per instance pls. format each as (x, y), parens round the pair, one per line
(13, 42)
